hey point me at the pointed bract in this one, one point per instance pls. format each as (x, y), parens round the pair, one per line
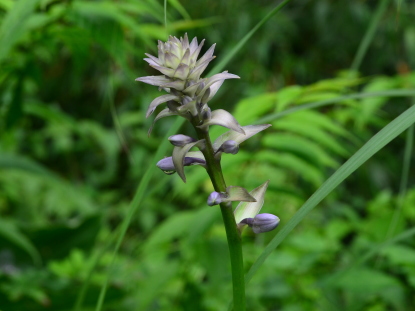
(154, 59)
(181, 72)
(250, 210)
(179, 154)
(250, 130)
(160, 100)
(196, 50)
(154, 80)
(215, 78)
(207, 55)
(164, 70)
(236, 193)
(164, 113)
(191, 90)
(223, 118)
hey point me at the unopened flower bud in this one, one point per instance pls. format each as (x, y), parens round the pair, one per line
(262, 222)
(206, 113)
(172, 105)
(230, 146)
(205, 96)
(180, 140)
(186, 100)
(215, 198)
(200, 87)
(167, 166)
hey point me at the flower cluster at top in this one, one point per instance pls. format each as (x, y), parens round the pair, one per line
(187, 96)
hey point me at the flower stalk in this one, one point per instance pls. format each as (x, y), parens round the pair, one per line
(232, 234)
(188, 97)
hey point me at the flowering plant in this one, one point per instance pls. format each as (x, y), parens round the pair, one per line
(187, 96)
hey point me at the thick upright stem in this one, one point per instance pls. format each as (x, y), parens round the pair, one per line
(234, 239)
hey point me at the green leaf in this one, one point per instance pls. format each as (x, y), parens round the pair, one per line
(377, 142)
(173, 227)
(399, 254)
(365, 280)
(14, 25)
(293, 163)
(341, 99)
(302, 147)
(290, 124)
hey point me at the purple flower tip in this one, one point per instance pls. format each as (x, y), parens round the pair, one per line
(264, 223)
(214, 198)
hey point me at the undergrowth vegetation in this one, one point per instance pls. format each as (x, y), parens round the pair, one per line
(87, 222)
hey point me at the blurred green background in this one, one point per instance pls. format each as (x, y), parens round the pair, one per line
(74, 147)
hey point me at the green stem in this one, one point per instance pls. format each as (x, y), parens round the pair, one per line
(232, 234)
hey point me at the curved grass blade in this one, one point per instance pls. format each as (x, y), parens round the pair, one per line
(377, 142)
(109, 97)
(245, 39)
(389, 93)
(135, 204)
(180, 8)
(404, 180)
(368, 37)
(94, 263)
(165, 16)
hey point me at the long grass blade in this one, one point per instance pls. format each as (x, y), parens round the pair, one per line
(404, 180)
(134, 205)
(369, 35)
(377, 142)
(245, 39)
(93, 264)
(180, 8)
(109, 97)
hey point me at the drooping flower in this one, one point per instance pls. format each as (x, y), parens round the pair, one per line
(229, 146)
(180, 140)
(167, 165)
(262, 222)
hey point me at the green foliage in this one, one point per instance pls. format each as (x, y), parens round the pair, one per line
(78, 210)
